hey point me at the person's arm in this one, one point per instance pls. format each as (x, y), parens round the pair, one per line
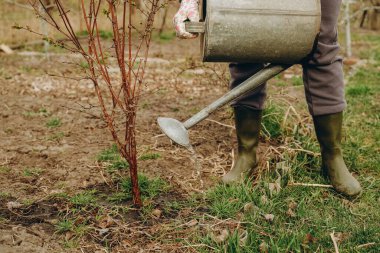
(189, 10)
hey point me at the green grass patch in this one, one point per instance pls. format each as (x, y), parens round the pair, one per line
(113, 159)
(272, 119)
(164, 37)
(42, 112)
(360, 90)
(297, 81)
(32, 172)
(150, 188)
(4, 195)
(5, 169)
(64, 226)
(56, 137)
(109, 154)
(54, 123)
(87, 198)
(150, 156)
(102, 34)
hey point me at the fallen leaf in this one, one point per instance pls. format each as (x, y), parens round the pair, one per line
(126, 243)
(157, 213)
(250, 208)
(192, 223)
(14, 205)
(6, 49)
(340, 237)
(269, 217)
(69, 235)
(106, 222)
(274, 188)
(292, 205)
(243, 238)
(290, 213)
(309, 238)
(222, 237)
(264, 247)
(264, 199)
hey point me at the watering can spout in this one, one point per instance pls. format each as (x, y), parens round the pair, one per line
(178, 131)
(175, 130)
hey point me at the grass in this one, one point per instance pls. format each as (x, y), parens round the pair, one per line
(32, 172)
(5, 170)
(42, 112)
(56, 137)
(297, 81)
(164, 37)
(272, 119)
(54, 123)
(102, 33)
(150, 188)
(305, 217)
(87, 198)
(64, 226)
(112, 158)
(150, 156)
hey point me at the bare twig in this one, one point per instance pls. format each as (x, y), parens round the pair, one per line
(311, 185)
(334, 242)
(367, 245)
(219, 123)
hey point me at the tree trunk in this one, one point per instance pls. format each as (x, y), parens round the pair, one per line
(131, 151)
(135, 182)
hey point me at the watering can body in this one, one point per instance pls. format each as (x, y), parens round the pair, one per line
(258, 31)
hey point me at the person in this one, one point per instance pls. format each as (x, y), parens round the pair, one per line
(324, 89)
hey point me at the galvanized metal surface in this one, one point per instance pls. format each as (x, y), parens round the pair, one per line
(195, 27)
(259, 31)
(177, 131)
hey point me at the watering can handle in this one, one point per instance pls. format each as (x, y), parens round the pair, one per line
(195, 27)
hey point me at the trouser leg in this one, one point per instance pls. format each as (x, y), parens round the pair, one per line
(323, 70)
(241, 72)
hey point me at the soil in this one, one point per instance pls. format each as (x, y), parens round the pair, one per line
(64, 157)
(38, 161)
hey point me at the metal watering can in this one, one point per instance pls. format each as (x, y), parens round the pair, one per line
(259, 31)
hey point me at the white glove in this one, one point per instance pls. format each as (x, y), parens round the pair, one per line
(189, 10)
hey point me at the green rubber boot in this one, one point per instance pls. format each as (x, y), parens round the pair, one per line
(329, 133)
(248, 124)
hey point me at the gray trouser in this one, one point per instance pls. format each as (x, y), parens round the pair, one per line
(322, 70)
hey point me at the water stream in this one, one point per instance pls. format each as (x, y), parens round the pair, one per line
(196, 163)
